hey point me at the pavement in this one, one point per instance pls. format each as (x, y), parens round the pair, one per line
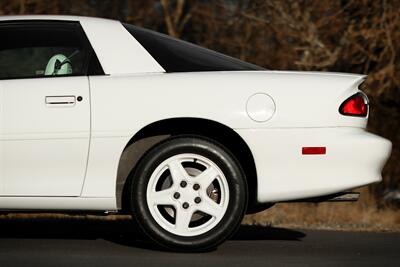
(72, 242)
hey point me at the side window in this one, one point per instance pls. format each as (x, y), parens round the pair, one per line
(44, 50)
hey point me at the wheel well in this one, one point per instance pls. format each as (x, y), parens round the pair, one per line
(163, 129)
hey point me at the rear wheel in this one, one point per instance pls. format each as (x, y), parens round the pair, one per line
(188, 194)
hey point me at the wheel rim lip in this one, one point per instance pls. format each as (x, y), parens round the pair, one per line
(161, 220)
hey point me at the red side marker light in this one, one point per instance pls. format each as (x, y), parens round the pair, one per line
(313, 150)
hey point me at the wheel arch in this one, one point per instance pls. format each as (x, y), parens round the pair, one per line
(157, 131)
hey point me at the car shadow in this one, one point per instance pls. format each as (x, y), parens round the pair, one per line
(124, 232)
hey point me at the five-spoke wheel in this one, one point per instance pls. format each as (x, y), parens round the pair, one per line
(188, 193)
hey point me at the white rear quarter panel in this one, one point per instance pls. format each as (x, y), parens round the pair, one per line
(123, 105)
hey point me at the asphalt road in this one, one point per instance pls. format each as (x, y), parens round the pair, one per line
(44, 242)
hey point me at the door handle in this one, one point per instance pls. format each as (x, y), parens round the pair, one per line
(65, 100)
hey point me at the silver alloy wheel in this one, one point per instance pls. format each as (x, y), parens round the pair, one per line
(187, 194)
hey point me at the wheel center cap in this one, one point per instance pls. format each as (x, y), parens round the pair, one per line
(187, 194)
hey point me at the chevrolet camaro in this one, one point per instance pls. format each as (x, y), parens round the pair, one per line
(103, 116)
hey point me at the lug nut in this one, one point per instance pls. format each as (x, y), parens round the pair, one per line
(183, 184)
(196, 187)
(177, 195)
(197, 200)
(185, 205)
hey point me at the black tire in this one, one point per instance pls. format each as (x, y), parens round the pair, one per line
(226, 162)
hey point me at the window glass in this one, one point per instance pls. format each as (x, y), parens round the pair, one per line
(27, 52)
(179, 56)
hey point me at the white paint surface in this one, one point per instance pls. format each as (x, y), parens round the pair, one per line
(44, 150)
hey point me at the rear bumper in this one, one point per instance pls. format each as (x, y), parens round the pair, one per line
(353, 158)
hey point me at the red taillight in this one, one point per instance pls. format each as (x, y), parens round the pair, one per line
(356, 105)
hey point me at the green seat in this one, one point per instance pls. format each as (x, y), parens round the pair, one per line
(58, 65)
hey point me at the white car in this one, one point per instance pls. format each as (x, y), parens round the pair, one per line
(97, 115)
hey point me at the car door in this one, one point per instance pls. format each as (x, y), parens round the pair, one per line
(45, 108)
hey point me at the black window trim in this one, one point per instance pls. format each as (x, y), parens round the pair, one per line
(76, 26)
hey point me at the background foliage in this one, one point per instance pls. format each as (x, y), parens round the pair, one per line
(360, 36)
